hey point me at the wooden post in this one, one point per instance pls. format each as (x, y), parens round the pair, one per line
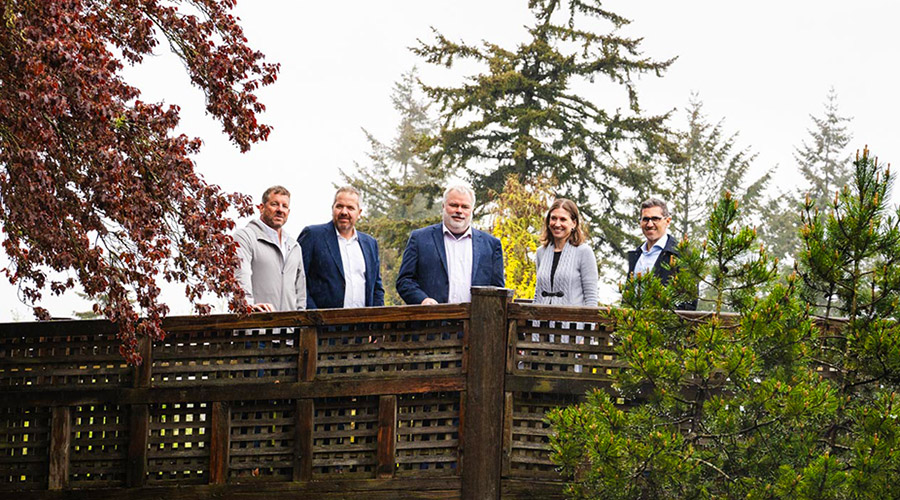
(142, 372)
(303, 442)
(60, 441)
(387, 436)
(139, 435)
(219, 441)
(307, 354)
(483, 433)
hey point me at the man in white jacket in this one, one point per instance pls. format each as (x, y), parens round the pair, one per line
(271, 272)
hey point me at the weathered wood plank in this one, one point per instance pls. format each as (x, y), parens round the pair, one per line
(60, 437)
(306, 362)
(139, 435)
(303, 440)
(484, 394)
(220, 429)
(225, 390)
(557, 385)
(387, 436)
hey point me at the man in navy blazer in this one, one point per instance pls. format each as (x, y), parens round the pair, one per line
(343, 268)
(442, 262)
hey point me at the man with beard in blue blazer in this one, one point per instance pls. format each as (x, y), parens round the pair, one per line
(343, 268)
(442, 262)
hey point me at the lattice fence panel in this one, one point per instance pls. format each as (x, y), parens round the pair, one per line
(179, 443)
(262, 440)
(226, 357)
(565, 348)
(62, 360)
(345, 436)
(530, 452)
(99, 447)
(428, 434)
(24, 448)
(391, 349)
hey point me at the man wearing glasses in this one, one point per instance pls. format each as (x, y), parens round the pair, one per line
(659, 247)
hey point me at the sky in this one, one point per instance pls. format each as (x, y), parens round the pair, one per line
(763, 67)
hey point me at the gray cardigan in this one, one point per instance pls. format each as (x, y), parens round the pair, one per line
(266, 275)
(576, 276)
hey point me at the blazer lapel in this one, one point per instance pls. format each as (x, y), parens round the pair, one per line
(332, 243)
(477, 241)
(368, 252)
(438, 236)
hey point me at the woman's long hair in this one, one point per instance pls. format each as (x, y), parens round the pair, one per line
(576, 237)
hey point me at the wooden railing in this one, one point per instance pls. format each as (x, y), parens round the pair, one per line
(429, 402)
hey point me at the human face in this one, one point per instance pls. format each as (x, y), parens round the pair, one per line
(561, 226)
(654, 229)
(274, 212)
(345, 212)
(457, 211)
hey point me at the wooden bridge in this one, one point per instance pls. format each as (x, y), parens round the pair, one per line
(417, 402)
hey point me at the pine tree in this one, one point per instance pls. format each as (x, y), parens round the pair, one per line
(767, 404)
(522, 116)
(824, 160)
(400, 190)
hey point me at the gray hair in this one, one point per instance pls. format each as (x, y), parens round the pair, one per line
(274, 190)
(351, 190)
(655, 202)
(459, 188)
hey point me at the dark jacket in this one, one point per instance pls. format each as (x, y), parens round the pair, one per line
(325, 284)
(665, 256)
(423, 271)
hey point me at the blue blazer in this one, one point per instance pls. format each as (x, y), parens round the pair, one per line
(423, 271)
(325, 270)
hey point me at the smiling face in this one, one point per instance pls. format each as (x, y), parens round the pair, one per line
(274, 212)
(561, 225)
(345, 212)
(457, 211)
(654, 224)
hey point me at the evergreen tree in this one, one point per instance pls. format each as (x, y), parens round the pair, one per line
(766, 404)
(824, 160)
(400, 189)
(709, 165)
(522, 116)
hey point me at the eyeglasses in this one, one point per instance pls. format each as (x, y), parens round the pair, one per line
(655, 219)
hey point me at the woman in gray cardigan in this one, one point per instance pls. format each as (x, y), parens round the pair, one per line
(566, 271)
(566, 266)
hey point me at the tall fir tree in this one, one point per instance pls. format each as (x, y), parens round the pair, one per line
(825, 164)
(400, 189)
(523, 116)
(824, 161)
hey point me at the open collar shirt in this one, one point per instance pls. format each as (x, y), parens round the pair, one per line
(648, 258)
(354, 270)
(459, 265)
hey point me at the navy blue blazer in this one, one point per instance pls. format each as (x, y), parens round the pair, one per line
(423, 271)
(325, 283)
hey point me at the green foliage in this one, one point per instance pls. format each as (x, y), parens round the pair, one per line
(518, 218)
(521, 116)
(765, 403)
(400, 190)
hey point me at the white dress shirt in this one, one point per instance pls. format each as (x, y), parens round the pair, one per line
(648, 258)
(459, 265)
(354, 270)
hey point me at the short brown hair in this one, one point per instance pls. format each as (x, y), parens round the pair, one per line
(274, 190)
(655, 202)
(577, 237)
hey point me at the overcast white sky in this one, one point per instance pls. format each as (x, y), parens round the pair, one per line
(763, 66)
